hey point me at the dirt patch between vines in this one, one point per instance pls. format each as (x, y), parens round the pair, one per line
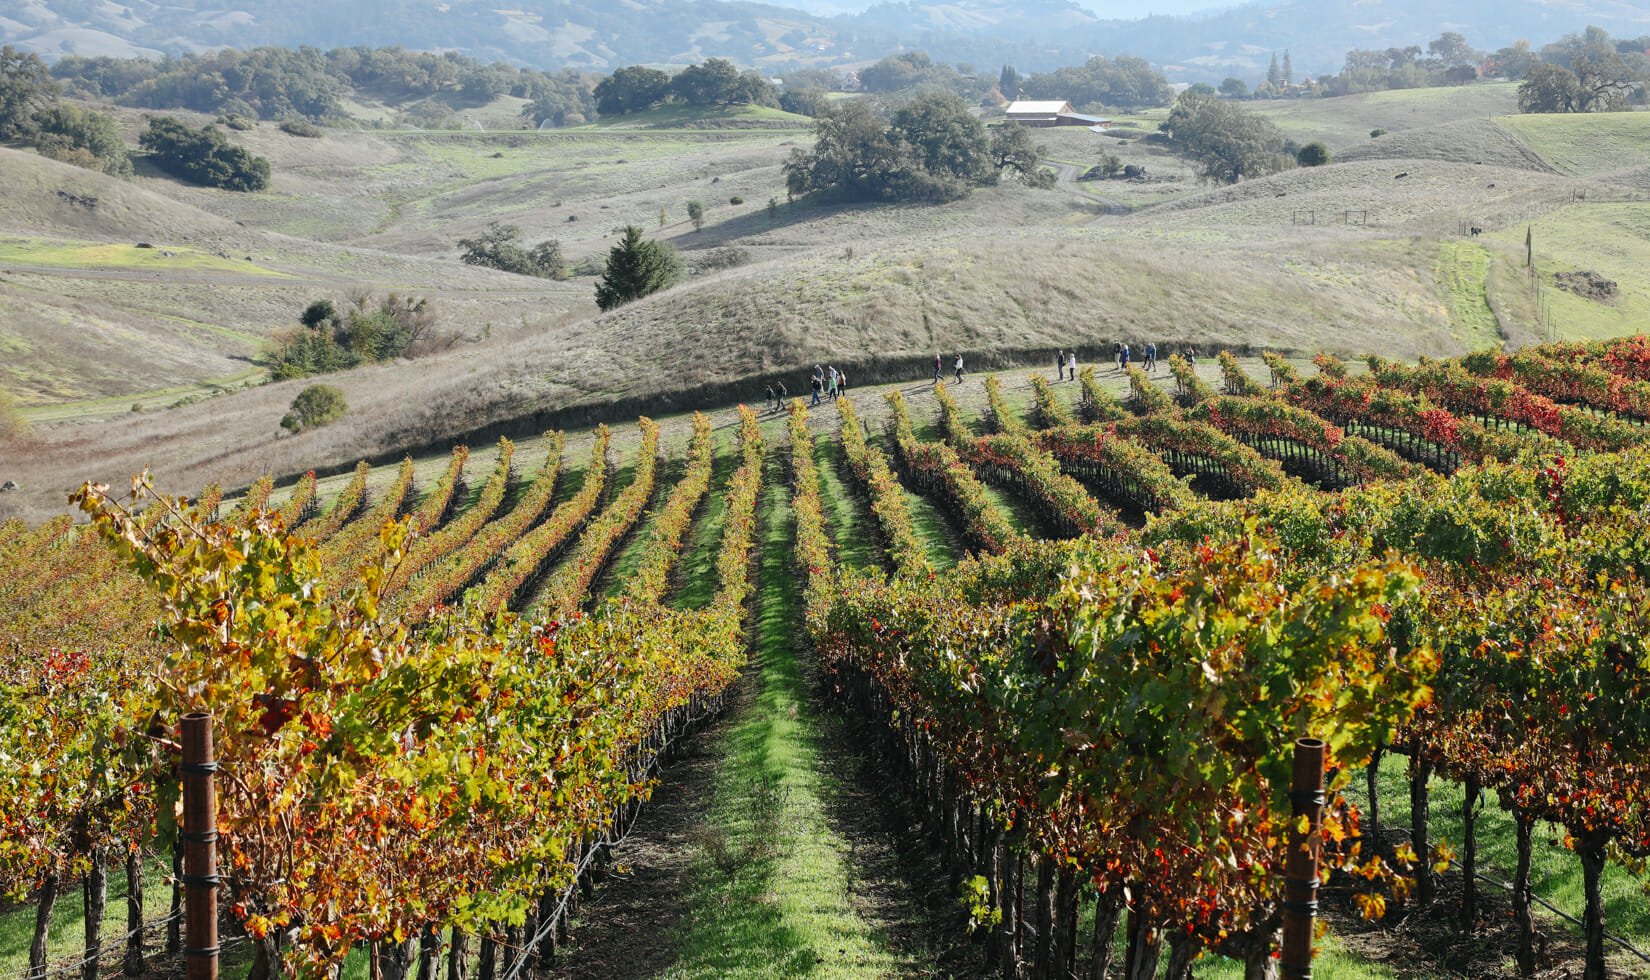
(628, 928)
(1427, 943)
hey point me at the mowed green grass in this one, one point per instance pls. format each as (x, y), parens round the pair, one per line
(109, 255)
(773, 890)
(1587, 144)
(1612, 240)
(1463, 271)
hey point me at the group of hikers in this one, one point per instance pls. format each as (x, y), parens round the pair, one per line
(825, 382)
(828, 382)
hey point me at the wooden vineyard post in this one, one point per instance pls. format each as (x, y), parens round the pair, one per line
(200, 848)
(1300, 905)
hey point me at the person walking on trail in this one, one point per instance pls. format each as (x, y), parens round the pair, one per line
(1071, 363)
(831, 384)
(817, 388)
(1060, 364)
(959, 367)
(1123, 359)
(937, 368)
(1191, 356)
(773, 400)
(1151, 357)
(1117, 354)
(842, 384)
(784, 395)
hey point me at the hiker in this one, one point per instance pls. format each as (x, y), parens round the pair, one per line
(1191, 356)
(818, 387)
(959, 369)
(784, 395)
(841, 384)
(1151, 357)
(773, 400)
(1123, 360)
(1071, 363)
(1117, 354)
(937, 369)
(1060, 364)
(831, 385)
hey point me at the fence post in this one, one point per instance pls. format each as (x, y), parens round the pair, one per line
(200, 851)
(1300, 905)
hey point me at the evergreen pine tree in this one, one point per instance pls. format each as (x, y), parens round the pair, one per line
(636, 267)
(1008, 83)
(1288, 70)
(1274, 74)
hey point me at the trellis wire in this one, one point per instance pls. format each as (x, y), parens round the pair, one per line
(1507, 886)
(119, 942)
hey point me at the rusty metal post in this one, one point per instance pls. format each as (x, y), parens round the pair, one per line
(1300, 905)
(200, 848)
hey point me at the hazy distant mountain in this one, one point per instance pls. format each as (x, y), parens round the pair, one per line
(1030, 34)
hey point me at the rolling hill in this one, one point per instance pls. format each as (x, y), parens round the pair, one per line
(99, 325)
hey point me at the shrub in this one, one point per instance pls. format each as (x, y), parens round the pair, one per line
(736, 199)
(498, 248)
(300, 128)
(238, 123)
(696, 214)
(315, 406)
(85, 139)
(1376, 133)
(203, 156)
(12, 425)
(1312, 155)
(718, 259)
(330, 340)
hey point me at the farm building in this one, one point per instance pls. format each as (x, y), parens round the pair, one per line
(1051, 114)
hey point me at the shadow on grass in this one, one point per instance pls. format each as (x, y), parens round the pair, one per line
(696, 573)
(849, 521)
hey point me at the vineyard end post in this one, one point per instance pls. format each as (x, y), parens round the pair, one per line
(200, 848)
(1300, 905)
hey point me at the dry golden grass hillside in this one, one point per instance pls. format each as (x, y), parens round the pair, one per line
(90, 326)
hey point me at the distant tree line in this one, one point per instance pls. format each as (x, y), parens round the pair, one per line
(32, 113)
(931, 149)
(282, 83)
(1123, 82)
(715, 82)
(1586, 72)
(278, 83)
